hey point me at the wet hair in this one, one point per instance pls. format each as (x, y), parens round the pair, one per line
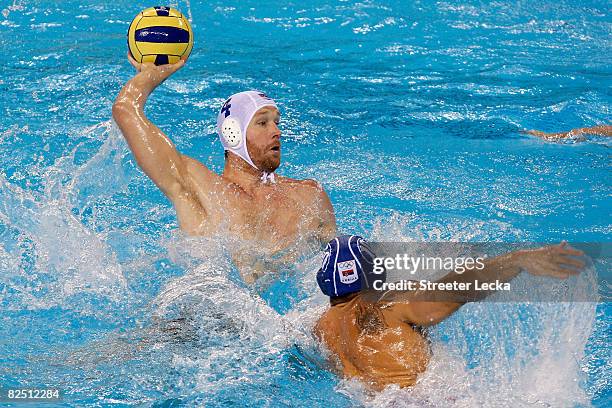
(336, 300)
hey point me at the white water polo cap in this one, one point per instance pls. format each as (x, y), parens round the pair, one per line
(234, 118)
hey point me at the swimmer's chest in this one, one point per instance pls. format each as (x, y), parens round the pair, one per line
(274, 214)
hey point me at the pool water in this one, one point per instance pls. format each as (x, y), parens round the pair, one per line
(409, 115)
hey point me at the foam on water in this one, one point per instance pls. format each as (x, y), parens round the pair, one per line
(54, 245)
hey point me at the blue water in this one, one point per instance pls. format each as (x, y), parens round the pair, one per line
(407, 112)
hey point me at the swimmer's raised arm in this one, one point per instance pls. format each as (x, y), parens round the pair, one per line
(555, 261)
(601, 130)
(154, 151)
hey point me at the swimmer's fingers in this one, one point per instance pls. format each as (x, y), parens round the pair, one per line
(153, 75)
(133, 62)
(564, 248)
(164, 71)
(167, 69)
(559, 270)
(556, 261)
(568, 256)
(565, 261)
(172, 68)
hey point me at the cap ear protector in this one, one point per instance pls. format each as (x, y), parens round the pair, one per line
(231, 132)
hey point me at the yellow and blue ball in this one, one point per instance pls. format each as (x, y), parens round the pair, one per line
(161, 35)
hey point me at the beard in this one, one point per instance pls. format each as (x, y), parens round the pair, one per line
(263, 157)
(270, 163)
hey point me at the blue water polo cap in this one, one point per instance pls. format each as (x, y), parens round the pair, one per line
(345, 266)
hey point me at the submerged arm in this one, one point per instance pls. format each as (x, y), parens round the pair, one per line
(601, 130)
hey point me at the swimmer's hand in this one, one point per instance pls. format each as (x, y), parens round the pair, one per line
(150, 76)
(558, 261)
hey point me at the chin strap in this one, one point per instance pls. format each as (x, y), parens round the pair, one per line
(268, 177)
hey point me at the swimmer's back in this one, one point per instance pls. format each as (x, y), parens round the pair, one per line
(372, 344)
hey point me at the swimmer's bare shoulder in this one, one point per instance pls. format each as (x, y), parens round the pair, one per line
(307, 191)
(320, 328)
(295, 183)
(201, 177)
(201, 192)
(326, 332)
(313, 195)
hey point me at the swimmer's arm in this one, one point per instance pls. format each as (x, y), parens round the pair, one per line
(154, 151)
(325, 210)
(601, 130)
(426, 307)
(328, 218)
(431, 307)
